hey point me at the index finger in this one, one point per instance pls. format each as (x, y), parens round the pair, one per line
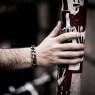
(67, 36)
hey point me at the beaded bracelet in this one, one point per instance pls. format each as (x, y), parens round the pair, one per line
(33, 56)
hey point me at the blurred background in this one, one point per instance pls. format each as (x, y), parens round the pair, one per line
(26, 22)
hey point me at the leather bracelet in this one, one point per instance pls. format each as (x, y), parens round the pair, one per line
(33, 56)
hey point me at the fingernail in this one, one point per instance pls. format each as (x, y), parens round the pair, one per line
(81, 60)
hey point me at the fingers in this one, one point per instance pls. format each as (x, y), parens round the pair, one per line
(67, 36)
(70, 61)
(56, 30)
(71, 54)
(71, 46)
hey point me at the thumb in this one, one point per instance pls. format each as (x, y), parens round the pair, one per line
(56, 30)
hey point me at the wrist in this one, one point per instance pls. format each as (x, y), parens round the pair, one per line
(37, 56)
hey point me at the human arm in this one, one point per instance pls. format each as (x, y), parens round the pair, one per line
(50, 52)
(17, 58)
(53, 51)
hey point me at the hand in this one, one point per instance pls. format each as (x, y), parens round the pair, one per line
(53, 51)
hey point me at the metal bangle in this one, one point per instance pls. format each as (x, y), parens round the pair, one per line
(33, 56)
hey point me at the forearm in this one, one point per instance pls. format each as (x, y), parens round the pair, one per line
(52, 51)
(15, 58)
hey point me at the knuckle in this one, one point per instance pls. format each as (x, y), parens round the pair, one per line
(58, 61)
(73, 34)
(55, 39)
(79, 46)
(57, 29)
(74, 61)
(77, 34)
(70, 45)
(82, 45)
(82, 53)
(65, 36)
(74, 47)
(68, 62)
(74, 55)
(54, 47)
(78, 53)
